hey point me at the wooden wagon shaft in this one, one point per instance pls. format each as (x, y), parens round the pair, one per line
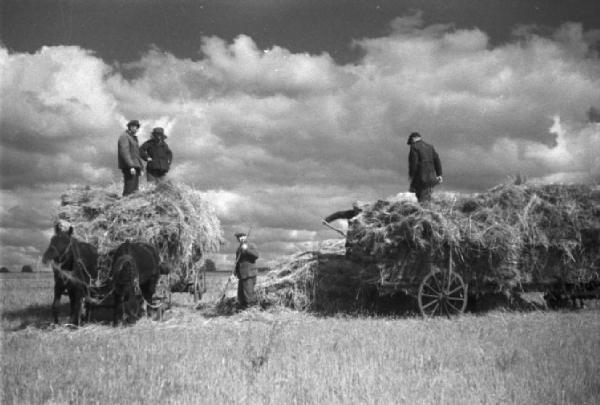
(334, 228)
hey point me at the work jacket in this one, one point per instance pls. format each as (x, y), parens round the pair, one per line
(159, 152)
(423, 165)
(129, 152)
(245, 260)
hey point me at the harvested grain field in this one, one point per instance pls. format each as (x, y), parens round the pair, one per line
(283, 356)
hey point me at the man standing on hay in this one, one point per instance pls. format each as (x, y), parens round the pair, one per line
(130, 162)
(424, 168)
(245, 257)
(156, 152)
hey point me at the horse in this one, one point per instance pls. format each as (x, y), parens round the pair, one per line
(74, 266)
(135, 271)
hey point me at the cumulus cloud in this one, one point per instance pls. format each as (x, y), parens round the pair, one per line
(58, 92)
(279, 140)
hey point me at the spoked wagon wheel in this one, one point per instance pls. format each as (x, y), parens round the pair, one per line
(442, 293)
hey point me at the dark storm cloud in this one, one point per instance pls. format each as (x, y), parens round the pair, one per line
(20, 216)
(594, 114)
(23, 140)
(16, 237)
(123, 30)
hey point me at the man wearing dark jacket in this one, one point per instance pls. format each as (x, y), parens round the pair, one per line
(245, 257)
(156, 152)
(130, 162)
(424, 168)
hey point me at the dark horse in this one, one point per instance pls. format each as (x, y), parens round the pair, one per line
(74, 265)
(136, 269)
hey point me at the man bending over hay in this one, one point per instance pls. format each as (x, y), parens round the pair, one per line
(245, 257)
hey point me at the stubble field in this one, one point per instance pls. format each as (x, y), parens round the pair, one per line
(286, 357)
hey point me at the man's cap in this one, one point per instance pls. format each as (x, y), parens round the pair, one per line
(412, 136)
(158, 131)
(240, 234)
(62, 225)
(133, 123)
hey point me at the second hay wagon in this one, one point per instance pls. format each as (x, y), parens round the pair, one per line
(446, 289)
(510, 239)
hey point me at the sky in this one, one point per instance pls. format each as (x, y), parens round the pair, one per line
(284, 111)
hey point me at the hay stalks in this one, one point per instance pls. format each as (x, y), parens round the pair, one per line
(497, 237)
(501, 240)
(175, 218)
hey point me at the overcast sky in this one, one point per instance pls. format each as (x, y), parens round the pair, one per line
(286, 111)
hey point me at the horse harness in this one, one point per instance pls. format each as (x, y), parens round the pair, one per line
(67, 275)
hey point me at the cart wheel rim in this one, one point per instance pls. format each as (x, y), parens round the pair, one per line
(442, 293)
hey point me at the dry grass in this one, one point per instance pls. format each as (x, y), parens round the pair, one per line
(506, 237)
(281, 356)
(173, 217)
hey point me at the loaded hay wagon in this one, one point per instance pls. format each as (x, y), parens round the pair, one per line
(174, 219)
(511, 239)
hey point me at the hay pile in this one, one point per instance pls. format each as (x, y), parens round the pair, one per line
(507, 237)
(322, 280)
(175, 218)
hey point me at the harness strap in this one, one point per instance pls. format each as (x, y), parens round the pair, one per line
(67, 275)
(62, 256)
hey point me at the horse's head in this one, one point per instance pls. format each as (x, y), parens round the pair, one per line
(60, 245)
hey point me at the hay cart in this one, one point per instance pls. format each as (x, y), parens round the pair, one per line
(445, 290)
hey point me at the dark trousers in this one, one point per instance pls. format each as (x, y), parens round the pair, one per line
(131, 182)
(424, 195)
(155, 176)
(245, 293)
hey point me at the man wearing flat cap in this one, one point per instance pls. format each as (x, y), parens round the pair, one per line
(130, 162)
(424, 168)
(245, 257)
(156, 152)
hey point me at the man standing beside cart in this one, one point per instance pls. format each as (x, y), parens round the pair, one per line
(424, 168)
(245, 257)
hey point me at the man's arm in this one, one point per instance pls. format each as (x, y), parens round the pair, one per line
(437, 164)
(250, 253)
(169, 155)
(144, 151)
(349, 214)
(124, 151)
(413, 162)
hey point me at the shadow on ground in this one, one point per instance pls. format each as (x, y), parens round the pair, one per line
(398, 304)
(38, 316)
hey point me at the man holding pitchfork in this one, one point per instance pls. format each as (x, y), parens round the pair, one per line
(245, 257)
